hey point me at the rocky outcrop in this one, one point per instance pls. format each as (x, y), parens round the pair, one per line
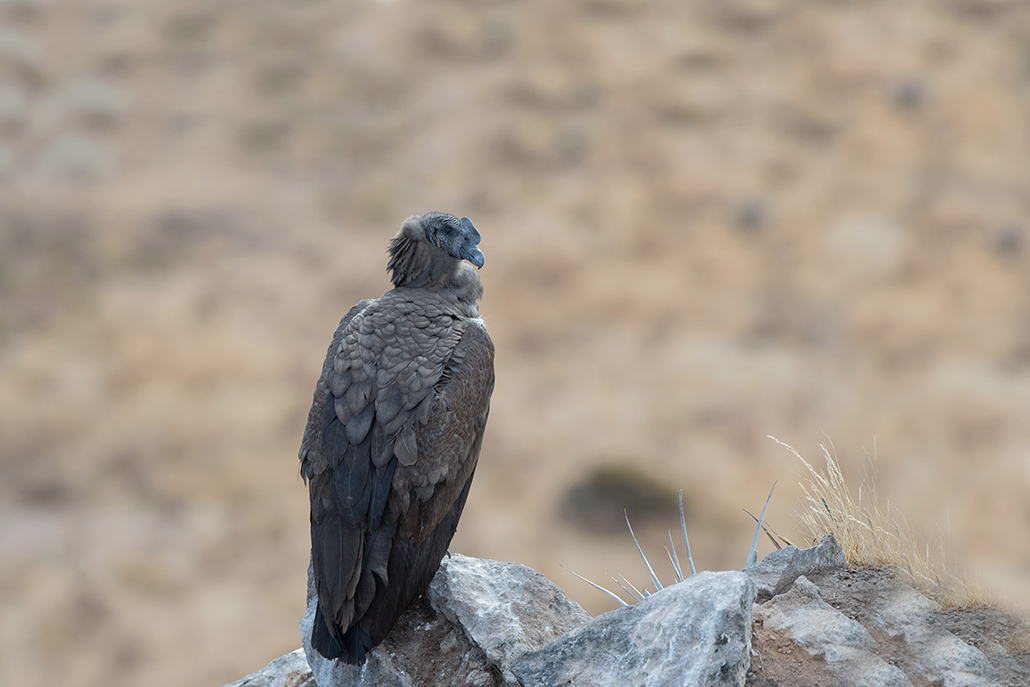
(796, 619)
(776, 572)
(489, 623)
(825, 634)
(696, 633)
(853, 628)
(477, 617)
(505, 609)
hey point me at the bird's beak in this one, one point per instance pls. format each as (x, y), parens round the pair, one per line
(474, 255)
(470, 252)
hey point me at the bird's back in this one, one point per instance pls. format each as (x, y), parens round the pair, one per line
(392, 441)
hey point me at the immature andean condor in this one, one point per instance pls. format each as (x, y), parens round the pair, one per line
(394, 434)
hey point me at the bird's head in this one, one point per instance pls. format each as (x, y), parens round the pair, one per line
(457, 237)
(429, 250)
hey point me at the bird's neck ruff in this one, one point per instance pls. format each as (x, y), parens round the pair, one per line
(417, 264)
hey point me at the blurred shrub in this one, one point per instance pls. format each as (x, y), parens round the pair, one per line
(600, 501)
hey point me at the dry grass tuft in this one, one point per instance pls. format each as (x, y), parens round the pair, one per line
(872, 537)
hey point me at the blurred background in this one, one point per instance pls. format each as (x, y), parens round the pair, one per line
(705, 222)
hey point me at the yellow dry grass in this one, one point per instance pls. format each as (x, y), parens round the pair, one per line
(877, 536)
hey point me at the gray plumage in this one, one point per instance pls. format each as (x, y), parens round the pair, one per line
(394, 434)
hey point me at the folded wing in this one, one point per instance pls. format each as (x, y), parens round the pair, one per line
(391, 445)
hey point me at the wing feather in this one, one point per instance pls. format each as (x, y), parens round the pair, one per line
(450, 441)
(406, 448)
(390, 449)
(380, 492)
(358, 425)
(353, 481)
(382, 446)
(388, 407)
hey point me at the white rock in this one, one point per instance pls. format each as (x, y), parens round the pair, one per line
(506, 609)
(941, 657)
(775, 573)
(697, 632)
(801, 615)
(290, 670)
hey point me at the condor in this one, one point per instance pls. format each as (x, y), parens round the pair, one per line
(394, 434)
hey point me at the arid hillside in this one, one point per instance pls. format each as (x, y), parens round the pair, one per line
(705, 222)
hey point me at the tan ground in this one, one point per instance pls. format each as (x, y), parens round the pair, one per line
(705, 221)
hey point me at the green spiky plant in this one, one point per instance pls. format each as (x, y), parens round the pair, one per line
(639, 595)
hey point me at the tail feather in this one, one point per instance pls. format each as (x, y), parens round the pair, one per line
(321, 639)
(351, 648)
(356, 644)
